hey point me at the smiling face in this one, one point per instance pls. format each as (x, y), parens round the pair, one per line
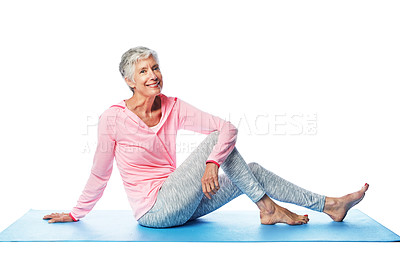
(147, 79)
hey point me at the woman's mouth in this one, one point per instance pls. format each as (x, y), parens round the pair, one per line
(153, 85)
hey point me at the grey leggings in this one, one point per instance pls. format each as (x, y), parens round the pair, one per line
(181, 197)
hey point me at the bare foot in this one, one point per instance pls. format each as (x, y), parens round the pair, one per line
(282, 215)
(272, 213)
(337, 208)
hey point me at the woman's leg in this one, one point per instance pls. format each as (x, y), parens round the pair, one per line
(285, 191)
(274, 186)
(254, 176)
(181, 193)
(181, 197)
(241, 176)
(227, 192)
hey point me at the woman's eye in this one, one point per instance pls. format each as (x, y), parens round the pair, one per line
(142, 71)
(156, 68)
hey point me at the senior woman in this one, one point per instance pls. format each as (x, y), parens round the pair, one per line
(140, 133)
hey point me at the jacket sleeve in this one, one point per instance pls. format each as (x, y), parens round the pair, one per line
(101, 168)
(193, 119)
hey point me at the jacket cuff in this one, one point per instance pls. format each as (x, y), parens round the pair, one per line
(211, 161)
(73, 218)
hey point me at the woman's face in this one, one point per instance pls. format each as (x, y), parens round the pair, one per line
(147, 79)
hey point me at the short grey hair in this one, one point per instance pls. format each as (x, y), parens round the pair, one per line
(131, 57)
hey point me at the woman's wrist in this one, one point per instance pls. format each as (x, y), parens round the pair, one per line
(73, 218)
(214, 162)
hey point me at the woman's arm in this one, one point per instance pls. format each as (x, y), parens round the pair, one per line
(191, 118)
(100, 172)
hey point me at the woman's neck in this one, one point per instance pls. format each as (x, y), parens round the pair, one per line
(143, 105)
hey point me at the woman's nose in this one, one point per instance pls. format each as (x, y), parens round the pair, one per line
(153, 75)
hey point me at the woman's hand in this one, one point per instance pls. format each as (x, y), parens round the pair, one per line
(58, 217)
(209, 182)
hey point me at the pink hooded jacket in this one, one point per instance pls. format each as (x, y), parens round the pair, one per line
(146, 156)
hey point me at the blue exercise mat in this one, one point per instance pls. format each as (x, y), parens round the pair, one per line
(219, 226)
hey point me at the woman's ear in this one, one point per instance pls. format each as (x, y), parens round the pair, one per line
(130, 83)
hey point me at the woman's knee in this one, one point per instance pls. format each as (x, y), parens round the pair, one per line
(253, 166)
(210, 140)
(213, 136)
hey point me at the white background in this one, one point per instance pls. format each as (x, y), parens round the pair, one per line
(270, 67)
